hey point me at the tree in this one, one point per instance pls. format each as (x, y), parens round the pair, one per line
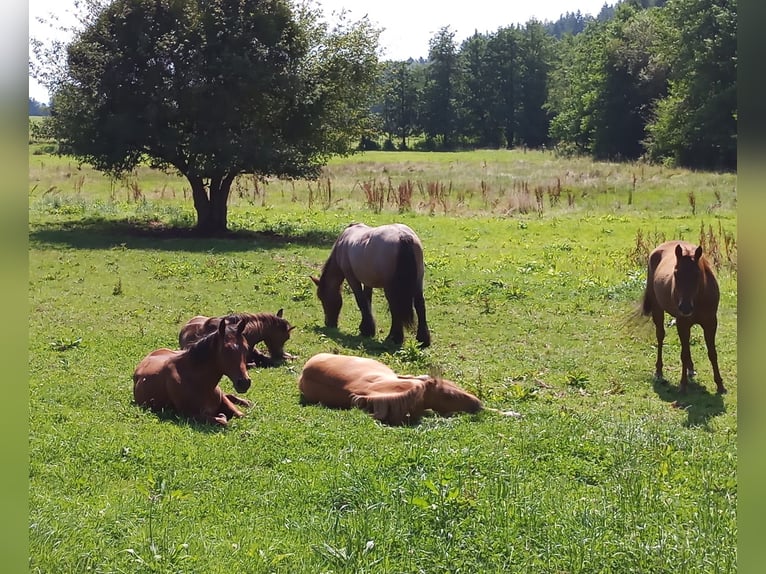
(213, 89)
(607, 83)
(504, 54)
(573, 97)
(479, 98)
(439, 106)
(696, 125)
(402, 87)
(535, 48)
(38, 108)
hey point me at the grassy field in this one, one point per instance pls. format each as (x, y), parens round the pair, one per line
(534, 268)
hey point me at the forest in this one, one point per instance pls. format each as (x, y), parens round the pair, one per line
(644, 79)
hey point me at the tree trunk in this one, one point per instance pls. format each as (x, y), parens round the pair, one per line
(211, 203)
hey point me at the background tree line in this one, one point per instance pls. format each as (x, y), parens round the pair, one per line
(217, 88)
(645, 78)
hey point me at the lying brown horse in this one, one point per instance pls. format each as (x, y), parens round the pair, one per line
(272, 329)
(187, 381)
(388, 256)
(681, 282)
(340, 381)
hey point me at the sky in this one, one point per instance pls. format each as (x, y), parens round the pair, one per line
(408, 24)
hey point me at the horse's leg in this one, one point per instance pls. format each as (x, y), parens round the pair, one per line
(368, 293)
(658, 316)
(257, 359)
(363, 296)
(396, 333)
(684, 329)
(423, 335)
(709, 328)
(239, 400)
(219, 419)
(228, 408)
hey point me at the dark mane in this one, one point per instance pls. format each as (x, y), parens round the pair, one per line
(202, 348)
(237, 317)
(329, 265)
(259, 323)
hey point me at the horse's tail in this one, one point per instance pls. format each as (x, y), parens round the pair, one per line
(401, 290)
(646, 302)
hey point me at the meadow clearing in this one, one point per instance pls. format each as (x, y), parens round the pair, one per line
(534, 267)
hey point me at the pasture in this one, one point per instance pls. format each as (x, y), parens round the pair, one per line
(534, 266)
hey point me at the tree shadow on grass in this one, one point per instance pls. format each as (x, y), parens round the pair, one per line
(699, 403)
(96, 233)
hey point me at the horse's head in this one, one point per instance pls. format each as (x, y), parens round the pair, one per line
(687, 278)
(276, 335)
(232, 353)
(331, 300)
(445, 397)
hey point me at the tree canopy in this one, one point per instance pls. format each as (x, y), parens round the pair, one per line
(214, 89)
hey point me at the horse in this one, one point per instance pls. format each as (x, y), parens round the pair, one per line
(270, 328)
(389, 257)
(187, 380)
(343, 382)
(681, 282)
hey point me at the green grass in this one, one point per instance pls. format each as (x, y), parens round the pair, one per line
(605, 472)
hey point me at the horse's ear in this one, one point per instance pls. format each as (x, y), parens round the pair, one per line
(241, 327)
(315, 280)
(279, 313)
(222, 327)
(290, 328)
(679, 251)
(698, 253)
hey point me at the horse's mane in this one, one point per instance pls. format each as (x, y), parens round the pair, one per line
(392, 407)
(329, 264)
(202, 348)
(262, 320)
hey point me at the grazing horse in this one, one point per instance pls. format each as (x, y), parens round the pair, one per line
(388, 256)
(273, 330)
(340, 381)
(187, 380)
(681, 282)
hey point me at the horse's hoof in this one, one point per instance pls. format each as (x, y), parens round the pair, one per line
(721, 391)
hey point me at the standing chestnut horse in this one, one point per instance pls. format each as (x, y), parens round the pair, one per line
(272, 329)
(681, 282)
(341, 381)
(388, 257)
(187, 381)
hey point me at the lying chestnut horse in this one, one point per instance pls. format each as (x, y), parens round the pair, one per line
(681, 282)
(187, 381)
(272, 329)
(340, 381)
